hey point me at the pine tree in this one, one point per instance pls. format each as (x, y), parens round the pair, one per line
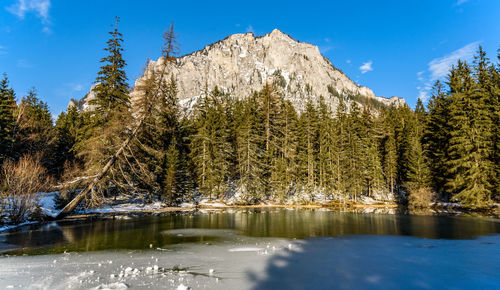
(160, 144)
(436, 137)
(283, 164)
(354, 153)
(112, 88)
(7, 120)
(373, 171)
(211, 145)
(325, 144)
(339, 165)
(268, 110)
(308, 145)
(390, 154)
(34, 134)
(66, 137)
(471, 142)
(250, 148)
(108, 124)
(419, 174)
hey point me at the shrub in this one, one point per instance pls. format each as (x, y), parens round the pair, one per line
(19, 184)
(421, 197)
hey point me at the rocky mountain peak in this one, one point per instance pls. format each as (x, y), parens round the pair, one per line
(243, 63)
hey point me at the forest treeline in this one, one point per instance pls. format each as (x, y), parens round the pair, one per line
(258, 145)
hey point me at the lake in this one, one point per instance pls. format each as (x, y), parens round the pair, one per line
(255, 249)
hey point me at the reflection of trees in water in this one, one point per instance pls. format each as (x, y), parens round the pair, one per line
(140, 232)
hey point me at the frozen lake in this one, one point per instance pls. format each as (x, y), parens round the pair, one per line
(255, 249)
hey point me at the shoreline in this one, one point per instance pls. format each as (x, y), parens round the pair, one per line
(377, 208)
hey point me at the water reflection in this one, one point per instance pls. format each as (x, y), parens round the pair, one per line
(141, 232)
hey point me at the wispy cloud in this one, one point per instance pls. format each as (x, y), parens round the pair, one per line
(39, 7)
(250, 29)
(77, 87)
(325, 48)
(460, 2)
(3, 50)
(22, 63)
(439, 67)
(366, 67)
(71, 89)
(348, 61)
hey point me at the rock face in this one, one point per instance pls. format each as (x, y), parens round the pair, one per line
(83, 103)
(243, 63)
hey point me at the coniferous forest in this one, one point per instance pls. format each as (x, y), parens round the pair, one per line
(258, 145)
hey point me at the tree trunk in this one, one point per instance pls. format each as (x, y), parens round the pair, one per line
(76, 201)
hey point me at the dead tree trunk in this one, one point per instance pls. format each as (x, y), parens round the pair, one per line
(74, 203)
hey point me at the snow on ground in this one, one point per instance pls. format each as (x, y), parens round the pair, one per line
(346, 262)
(10, 227)
(126, 207)
(47, 202)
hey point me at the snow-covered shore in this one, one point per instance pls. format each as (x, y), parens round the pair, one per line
(133, 205)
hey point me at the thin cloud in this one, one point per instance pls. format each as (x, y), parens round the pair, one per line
(3, 50)
(46, 30)
(38, 7)
(366, 67)
(460, 2)
(420, 76)
(250, 29)
(22, 63)
(71, 89)
(325, 48)
(439, 67)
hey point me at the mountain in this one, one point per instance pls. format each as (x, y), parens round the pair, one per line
(242, 63)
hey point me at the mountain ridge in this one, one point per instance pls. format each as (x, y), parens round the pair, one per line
(241, 64)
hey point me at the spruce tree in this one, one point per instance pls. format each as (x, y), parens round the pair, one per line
(389, 149)
(111, 83)
(250, 149)
(471, 142)
(308, 145)
(7, 120)
(436, 137)
(34, 133)
(373, 171)
(108, 124)
(66, 137)
(355, 153)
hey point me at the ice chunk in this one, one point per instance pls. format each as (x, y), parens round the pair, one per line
(183, 287)
(115, 286)
(249, 249)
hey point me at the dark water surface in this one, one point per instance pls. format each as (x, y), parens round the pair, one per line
(160, 231)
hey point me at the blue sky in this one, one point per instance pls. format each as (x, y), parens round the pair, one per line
(396, 48)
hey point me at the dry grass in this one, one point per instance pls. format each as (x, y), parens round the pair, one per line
(20, 182)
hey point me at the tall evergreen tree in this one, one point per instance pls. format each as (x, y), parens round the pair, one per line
(111, 83)
(436, 137)
(471, 169)
(67, 128)
(250, 149)
(7, 119)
